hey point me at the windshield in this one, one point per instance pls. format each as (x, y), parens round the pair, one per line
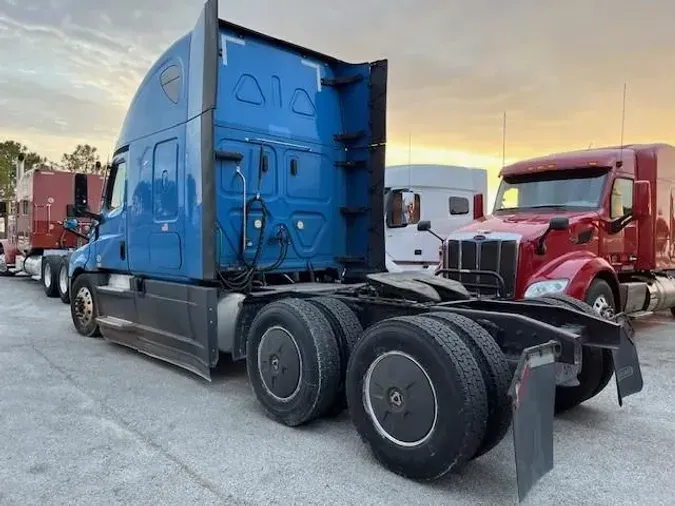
(554, 190)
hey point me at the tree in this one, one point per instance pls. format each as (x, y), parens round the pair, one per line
(9, 152)
(83, 159)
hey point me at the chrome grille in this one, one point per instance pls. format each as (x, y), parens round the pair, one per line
(494, 255)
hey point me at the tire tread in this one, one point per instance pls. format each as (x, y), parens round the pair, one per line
(495, 371)
(347, 330)
(326, 353)
(473, 397)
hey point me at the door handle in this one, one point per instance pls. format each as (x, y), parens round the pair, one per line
(123, 250)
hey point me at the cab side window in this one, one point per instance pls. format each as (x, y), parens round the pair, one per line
(117, 185)
(458, 205)
(621, 199)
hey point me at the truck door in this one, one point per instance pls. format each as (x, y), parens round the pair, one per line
(620, 248)
(111, 246)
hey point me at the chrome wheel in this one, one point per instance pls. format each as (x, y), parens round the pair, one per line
(47, 275)
(63, 279)
(84, 306)
(400, 399)
(602, 307)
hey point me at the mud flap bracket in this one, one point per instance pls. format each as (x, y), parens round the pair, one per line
(532, 394)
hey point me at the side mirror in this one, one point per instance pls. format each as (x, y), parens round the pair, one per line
(396, 202)
(556, 223)
(424, 226)
(559, 223)
(80, 207)
(478, 206)
(81, 193)
(642, 199)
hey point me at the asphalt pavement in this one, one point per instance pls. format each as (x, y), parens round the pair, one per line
(83, 421)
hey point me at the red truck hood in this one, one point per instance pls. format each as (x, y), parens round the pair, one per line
(529, 225)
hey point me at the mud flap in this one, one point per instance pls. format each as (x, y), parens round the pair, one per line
(626, 363)
(532, 394)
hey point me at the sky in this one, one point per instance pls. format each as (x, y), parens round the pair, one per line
(68, 68)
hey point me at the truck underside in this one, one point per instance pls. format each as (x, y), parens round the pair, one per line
(408, 354)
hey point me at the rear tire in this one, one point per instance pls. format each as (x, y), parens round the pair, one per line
(416, 369)
(50, 276)
(347, 330)
(83, 307)
(495, 371)
(595, 366)
(293, 361)
(63, 282)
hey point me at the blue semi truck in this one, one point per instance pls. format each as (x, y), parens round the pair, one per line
(242, 215)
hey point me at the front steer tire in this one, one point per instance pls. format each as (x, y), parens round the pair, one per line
(293, 361)
(607, 365)
(416, 396)
(600, 298)
(83, 307)
(597, 365)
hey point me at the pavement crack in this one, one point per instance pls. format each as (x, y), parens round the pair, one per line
(116, 418)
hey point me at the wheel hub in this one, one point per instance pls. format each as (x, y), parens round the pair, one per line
(395, 398)
(84, 306)
(400, 399)
(280, 363)
(602, 307)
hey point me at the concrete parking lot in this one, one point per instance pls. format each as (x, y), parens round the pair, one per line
(83, 421)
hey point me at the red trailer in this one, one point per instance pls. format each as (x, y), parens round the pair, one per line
(41, 231)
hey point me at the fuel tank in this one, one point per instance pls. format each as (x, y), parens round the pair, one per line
(661, 293)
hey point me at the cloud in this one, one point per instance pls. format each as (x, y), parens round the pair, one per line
(557, 68)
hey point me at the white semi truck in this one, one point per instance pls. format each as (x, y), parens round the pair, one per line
(443, 194)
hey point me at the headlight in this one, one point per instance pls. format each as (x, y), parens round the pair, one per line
(549, 286)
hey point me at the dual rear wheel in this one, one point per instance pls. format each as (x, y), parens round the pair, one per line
(426, 393)
(55, 278)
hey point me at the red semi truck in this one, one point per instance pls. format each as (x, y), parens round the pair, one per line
(41, 231)
(593, 229)
(597, 225)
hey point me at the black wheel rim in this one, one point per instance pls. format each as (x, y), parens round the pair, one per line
(280, 363)
(400, 399)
